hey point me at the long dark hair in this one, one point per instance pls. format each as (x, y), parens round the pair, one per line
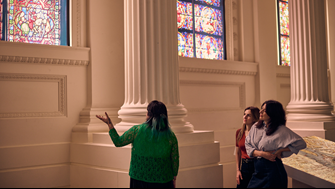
(276, 112)
(157, 116)
(255, 115)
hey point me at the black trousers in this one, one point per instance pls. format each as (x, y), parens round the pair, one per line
(141, 184)
(268, 174)
(247, 169)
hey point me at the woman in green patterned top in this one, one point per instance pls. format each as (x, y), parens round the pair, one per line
(154, 155)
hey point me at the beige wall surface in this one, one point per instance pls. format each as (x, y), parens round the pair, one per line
(47, 91)
(43, 89)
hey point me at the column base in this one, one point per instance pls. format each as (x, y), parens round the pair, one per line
(324, 130)
(101, 164)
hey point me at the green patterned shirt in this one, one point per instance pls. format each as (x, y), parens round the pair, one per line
(154, 160)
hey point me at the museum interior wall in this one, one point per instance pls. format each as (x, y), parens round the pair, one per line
(49, 96)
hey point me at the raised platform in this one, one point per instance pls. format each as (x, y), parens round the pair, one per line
(101, 164)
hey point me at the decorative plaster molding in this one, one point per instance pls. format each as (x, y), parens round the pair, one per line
(283, 75)
(229, 29)
(38, 60)
(62, 100)
(78, 17)
(284, 85)
(216, 71)
(242, 96)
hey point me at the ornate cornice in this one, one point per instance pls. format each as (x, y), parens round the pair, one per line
(39, 60)
(216, 71)
(62, 100)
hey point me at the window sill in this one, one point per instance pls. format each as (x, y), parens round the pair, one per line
(43, 54)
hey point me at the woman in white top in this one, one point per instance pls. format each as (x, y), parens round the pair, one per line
(268, 141)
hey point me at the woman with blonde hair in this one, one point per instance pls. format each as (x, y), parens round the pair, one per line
(245, 164)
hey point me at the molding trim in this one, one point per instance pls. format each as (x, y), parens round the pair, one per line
(216, 71)
(229, 29)
(241, 85)
(284, 85)
(283, 75)
(62, 97)
(39, 60)
(78, 18)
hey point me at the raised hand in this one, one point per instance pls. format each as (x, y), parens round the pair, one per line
(106, 120)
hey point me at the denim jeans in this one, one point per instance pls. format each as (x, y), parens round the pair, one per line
(247, 169)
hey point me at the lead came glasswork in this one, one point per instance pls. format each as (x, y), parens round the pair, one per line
(208, 20)
(185, 44)
(284, 33)
(209, 47)
(200, 29)
(184, 15)
(33, 21)
(210, 2)
(1, 12)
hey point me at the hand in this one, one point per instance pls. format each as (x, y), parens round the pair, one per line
(106, 120)
(278, 154)
(269, 155)
(238, 177)
(174, 182)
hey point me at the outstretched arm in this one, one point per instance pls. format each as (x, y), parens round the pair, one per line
(106, 120)
(127, 137)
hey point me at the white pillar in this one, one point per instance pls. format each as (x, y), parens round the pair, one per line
(309, 111)
(151, 63)
(105, 79)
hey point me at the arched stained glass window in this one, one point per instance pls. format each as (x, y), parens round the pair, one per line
(284, 34)
(35, 21)
(201, 29)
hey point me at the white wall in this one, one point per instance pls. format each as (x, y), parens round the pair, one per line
(43, 89)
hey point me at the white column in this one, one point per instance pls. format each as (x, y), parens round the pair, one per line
(309, 82)
(105, 83)
(151, 63)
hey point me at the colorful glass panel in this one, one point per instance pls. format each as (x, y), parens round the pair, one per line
(209, 47)
(185, 44)
(284, 38)
(34, 21)
(210, 2)
(285, 51)
(200, 29)
(184, 15)
(284, 18)
(208, 20)
(1, 12)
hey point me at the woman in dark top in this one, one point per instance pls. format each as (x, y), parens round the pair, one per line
(154, 156)
(244, 164)
(268, 141)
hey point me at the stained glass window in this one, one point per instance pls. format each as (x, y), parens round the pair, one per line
(35, 21)
(284, 34)
(201, 29)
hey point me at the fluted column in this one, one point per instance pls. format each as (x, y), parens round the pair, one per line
(309, 83)
(151, 62)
